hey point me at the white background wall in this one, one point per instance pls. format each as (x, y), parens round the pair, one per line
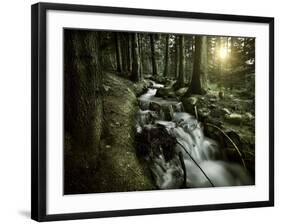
(15, 110)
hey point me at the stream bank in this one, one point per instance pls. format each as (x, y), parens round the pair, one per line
(118, 168)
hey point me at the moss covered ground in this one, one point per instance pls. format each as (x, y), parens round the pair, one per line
(118, 168)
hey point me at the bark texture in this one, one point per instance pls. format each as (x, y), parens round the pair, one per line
(136, 59)
(153, 58)
(181, 79)
(166, 68)
(195, 85)
(118, 53)
(83, 104)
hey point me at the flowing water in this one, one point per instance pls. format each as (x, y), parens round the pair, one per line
(194, 160)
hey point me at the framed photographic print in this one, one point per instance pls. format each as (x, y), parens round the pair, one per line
(139, 111)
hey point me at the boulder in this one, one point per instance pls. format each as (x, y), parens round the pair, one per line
(249, 116)
(234, 118)
(192, 100)
(154, 106)
(221, 94)
(171, 94)
(204, 112)
(212, 106)
(162, 92)
(181, 91)
(225, 111)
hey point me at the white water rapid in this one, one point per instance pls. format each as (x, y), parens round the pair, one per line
(196, 160)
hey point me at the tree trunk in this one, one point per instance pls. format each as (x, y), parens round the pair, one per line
(140, 54)
(166, 68)
(231, 61)
(136, 59)
(220, 62)
(124, 51)
(118, 53)
(180, 82)
(204, 62)
(176, 57)
(129, 41)
(153, 59)
(82, 102)
(195, 85)
(192, 44)
(189, 59)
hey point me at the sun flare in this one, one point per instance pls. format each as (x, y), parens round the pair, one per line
(223, 53)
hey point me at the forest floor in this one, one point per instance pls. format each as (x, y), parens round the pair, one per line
(119, 169)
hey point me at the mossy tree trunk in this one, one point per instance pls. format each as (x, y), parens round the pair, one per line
(124, 52)
(196, 82)
(181, 80)
(83, 103)
(204, 62)
(166, 68)
(140, 53)
(176, 57)
(136, 58)
(129, 41)
(220, 63)
(118, 53)
(153, 58)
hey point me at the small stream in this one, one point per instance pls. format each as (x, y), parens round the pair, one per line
(178, 153)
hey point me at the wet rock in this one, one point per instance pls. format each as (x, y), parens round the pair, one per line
(154, 141)
(165, 92)
(146, 117)
(213, 100)
(181, 91)
(249, 116)
(167, 112)
(192, 100)
(221, 94)
(155, 106)
(171, 94)
(178, 107)
(170, 83)
(144, 105)
(226, 111)
(156, 85)
(212, 106)
(161, 92)
(189, 103)
(234, 118)
(204, 112)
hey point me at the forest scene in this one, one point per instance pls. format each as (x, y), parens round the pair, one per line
(156, 111)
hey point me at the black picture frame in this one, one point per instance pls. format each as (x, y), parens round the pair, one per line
(39, 122)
